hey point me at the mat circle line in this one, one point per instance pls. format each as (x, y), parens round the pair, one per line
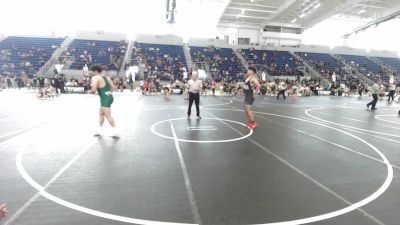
(307, 112)
(378, 117)
(153, 130)
(321, 217)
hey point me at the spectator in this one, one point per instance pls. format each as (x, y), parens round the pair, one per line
(282, 89)
(213, 86)
(392, 91)
(9, 84)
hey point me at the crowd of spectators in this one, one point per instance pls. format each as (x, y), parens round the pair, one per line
(38, 55)
(164, 62)
(331, 65)
(107, 54)
(25, 55)
(221, 62)
(275, 63)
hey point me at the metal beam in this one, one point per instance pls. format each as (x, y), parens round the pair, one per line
(256, 5)
(248, 9)
(373, 6)
(373, 23)
(284, 5)
(244, 16)
(239, 26)
(230, 21)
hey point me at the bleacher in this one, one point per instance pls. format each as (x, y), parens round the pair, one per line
(222, 62)
(165, 62)
(324, 63)
(366, 66)
(108, 54)
(394, 63)
(276, 62)
(26, 55)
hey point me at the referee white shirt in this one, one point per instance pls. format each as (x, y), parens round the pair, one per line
(195, 86)
(375, 89)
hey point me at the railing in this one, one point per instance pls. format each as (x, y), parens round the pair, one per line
(358, 74)
(188, 57)
(127, 58)
(382, 64)
(310, 68)
(240, 56)
(54, 57)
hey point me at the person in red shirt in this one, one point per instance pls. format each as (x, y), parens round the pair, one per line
(146, 87)
(213, 85)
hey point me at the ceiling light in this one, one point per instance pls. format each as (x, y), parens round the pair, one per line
(242, 11)
(251, 1)
(317, 5)
(361, 11)
(294, 20)
(302, 15)
(237, 16)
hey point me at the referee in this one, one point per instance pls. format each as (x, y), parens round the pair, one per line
(195, 86)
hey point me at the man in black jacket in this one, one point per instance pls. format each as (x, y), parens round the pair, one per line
(56, 84)
(61, 80)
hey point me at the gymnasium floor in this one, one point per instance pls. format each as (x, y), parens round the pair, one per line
(317, 160)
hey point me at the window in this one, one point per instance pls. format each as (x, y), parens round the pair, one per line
(243, 41)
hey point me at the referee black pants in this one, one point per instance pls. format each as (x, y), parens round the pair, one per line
(374, 101)
(196, 98)
(281, 92)
(391, 95)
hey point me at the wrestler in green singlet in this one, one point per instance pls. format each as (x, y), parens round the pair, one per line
(106, 98)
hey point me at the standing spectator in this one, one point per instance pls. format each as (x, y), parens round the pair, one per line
(3, 82)
(213, 85)
(141, 85)
(9, 84)
(361, 88)
(130, 82)
(121, 85)
(61, 80)
(41, 81)
(56, 85)
(221, 88)
(282, 90)
(186, 90)
(375, 92)
(392, 90)
(398, 90)
(18, 81)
